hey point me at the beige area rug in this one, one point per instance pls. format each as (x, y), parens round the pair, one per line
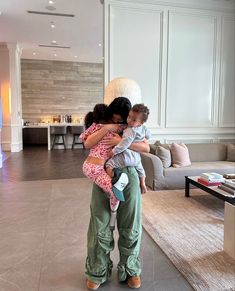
(190, 232)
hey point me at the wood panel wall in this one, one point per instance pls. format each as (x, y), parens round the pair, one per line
(54, 87)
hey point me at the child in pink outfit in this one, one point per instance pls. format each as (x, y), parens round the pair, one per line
(93, 166)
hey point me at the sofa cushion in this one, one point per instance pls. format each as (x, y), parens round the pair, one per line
(207, 152)
(157, 143)
(164, 155)
(231, 152)
(180, 155)
(153, 148)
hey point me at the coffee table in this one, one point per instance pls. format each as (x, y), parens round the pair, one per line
(229, 211)
(213, 190)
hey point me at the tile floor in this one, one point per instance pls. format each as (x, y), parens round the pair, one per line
(43, 224)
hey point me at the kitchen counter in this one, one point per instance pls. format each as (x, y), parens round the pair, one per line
(47, 126)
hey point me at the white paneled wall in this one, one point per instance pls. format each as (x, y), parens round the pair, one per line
(143, 53)
(227, 104)
(183, 59)
(191, 70)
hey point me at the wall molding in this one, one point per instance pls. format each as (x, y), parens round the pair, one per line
(157, 20)
(213, 109)
(222, 100)
(16, 147)
(204, 5)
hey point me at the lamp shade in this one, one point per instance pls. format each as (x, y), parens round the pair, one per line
(122, 87)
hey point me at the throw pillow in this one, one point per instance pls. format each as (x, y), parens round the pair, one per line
(157, 142)
(153, 147)
(180, 155)
(231, 152)
(164, 155)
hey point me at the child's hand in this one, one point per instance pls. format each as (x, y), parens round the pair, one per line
(110, 154)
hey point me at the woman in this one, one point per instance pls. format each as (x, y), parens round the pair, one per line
(100, 238)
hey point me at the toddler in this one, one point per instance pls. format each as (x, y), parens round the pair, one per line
(93, 166)
(120, 155)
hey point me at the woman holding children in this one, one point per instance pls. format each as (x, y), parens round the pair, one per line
(100, 240)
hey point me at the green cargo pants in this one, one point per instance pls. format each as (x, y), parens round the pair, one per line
(100, 238)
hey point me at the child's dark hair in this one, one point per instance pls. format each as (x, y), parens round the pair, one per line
(88, 120)
(98, 115)
(141, 108)
(120, 106)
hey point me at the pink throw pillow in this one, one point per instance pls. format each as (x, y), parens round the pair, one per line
(180, 155)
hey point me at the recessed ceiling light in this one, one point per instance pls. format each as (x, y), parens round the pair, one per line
(75, 56)
(52, 24)
(51, 2)
(51, 8)
(99, 44)
(34, 53)
(54, 42)
(55, 55)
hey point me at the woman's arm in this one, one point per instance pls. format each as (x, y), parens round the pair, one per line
(142, 147)
(96, 137)
(136, 146)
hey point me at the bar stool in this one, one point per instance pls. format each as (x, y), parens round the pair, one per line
(58, 131)
(76, 131)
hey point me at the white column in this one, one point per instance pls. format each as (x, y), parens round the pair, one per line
(15, 87)
(0, 146)
(0, 128)
(4, 92)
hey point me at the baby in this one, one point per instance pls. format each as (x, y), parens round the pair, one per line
(120, 155)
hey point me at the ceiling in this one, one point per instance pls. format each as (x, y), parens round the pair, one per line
(83, 33)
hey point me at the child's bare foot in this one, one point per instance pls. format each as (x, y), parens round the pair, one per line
(143, 188)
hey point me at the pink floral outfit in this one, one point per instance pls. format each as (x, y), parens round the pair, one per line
(95, 172)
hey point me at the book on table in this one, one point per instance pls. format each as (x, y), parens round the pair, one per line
(213, 177)
(208, 183)
(227, 189)
(229, 176)
(230, 183)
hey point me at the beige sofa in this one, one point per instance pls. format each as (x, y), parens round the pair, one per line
(207, 157)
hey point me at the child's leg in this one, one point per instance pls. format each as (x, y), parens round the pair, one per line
(98, 175)
(141, 173)
(143, 185)
(104, 181)
(109, 171)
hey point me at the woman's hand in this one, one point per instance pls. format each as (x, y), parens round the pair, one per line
(110, 154)
(112, 127)
(112, 141)
(97, 136)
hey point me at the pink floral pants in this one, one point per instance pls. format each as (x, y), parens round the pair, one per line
(98, 175)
